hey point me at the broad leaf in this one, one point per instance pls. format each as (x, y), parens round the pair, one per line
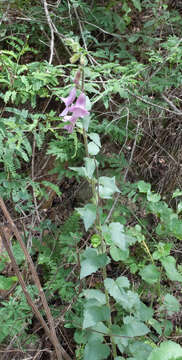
(127, 299)
(96, 351)
(150, 274)
(170, 305)
(168, 350)
(118, 236)
(88, 215)
(107, 187)
(118, 254)
(134, 328)
(169, 264)
(95, 314)
(140, 350)
(93, 149)
(95, 294)
(92, 261)
(95, 138)
(143, 187)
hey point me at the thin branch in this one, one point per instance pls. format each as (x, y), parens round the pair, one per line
(60, 352)
(51, 30)
(152, 104)
(171, 104)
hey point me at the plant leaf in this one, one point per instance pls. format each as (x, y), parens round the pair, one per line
(107, 187)
(169, 264)
(96, 351)
(150, 274)
(92, 261)
(95, 314)
(168, 350)
(88, 215)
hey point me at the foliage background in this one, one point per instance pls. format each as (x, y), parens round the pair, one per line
(131, 53)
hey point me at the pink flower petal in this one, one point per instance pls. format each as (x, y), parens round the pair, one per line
(71, 97)
(78, 111)
(68, 101)
(81, 101)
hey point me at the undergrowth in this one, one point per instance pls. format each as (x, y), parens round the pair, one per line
(91, 104)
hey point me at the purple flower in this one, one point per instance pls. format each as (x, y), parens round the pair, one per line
(68, 101)
(78, 109)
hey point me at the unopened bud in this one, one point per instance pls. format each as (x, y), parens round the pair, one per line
(77, 78)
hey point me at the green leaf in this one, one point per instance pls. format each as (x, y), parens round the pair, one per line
(86, 171)
(95, 294)
(134, 328)
(107, 187)
(137, 4)
(95, 138)
(168, 350)
(96, 351)
(171, 304)
(93, 149)
(152, 197)
(169, 264)
(90, 165)
(140, 350)
(91, 261)
(176, 193)
(118, 254)
(143, 187)
(121, 341)
(143, 312)
(179, 209)
(118, 237)
(7, 282)
(52, 186)
(88, 215)
(156, 325)
(126, 299)
(94, 314)
(123, 282)
(150, 274)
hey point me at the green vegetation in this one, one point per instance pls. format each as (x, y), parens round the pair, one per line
(90, 179)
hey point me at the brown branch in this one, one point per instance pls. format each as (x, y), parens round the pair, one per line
(51, 333)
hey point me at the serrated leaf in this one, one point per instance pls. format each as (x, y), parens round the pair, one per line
(168, 350)
(95, 314)
(88, 215)
(152, 197)
(143, 312)
(96, 351)
(118, 254)
(92, 261)
(150, 274)
(118, 236)
(134, 328)
(123, 282)
(126, 299)
(95, 294)
(169, 264)
(140, 350)
(107, 187)
(143, 187)
(171, 304)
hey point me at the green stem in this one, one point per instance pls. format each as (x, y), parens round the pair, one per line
(98, 225)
